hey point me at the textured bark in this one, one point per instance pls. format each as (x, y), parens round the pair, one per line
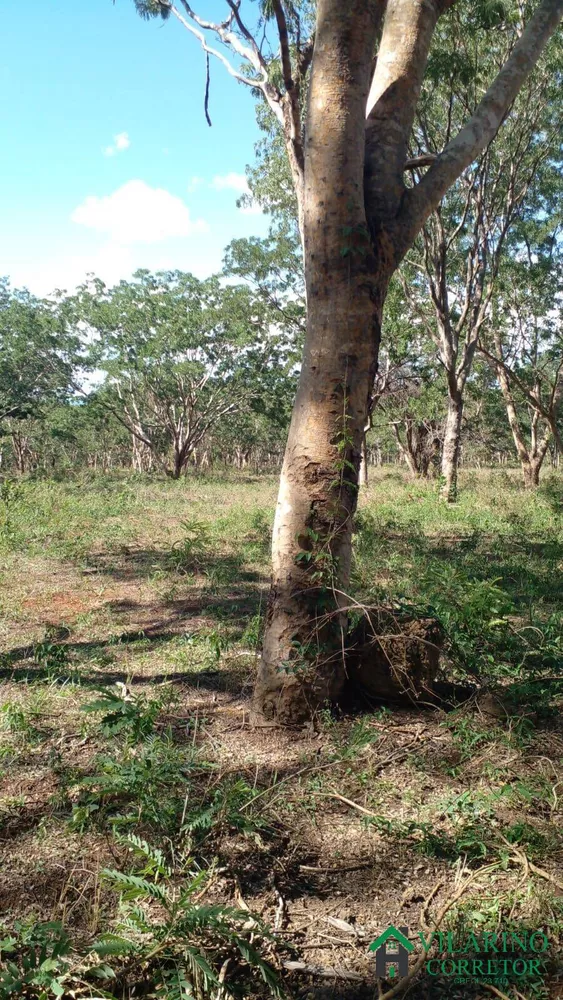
(302, 664)
(420, 447)
(364, 469)
(532, 457)
(358, 220)
(452, 445)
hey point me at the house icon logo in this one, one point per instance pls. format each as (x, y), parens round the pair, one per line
(389, 959)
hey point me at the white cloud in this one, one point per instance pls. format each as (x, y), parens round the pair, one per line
(121, 142)
(238, 183)
(137, 213)
(111, 263)
(231, 182)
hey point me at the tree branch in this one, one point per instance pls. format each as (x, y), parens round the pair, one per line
(488, 117)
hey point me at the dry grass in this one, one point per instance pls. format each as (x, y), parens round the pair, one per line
(357, 821)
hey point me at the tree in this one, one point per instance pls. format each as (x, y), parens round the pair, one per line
(180, 354)
(524, 345)
(35, 358)
(36, 364)
(358, 219)
(451, 274)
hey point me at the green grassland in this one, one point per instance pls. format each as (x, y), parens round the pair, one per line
(142, 816)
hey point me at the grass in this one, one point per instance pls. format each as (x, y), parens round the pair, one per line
(131, 617)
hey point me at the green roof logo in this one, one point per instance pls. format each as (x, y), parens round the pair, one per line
(386, 960)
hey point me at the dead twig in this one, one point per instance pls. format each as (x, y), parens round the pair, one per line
(280, 918)
(336, 871)
(400, 986)
(324, 972)
(529, 866)
(348, 802)
(497, 993)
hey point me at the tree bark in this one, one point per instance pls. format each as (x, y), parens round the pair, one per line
(451, 447)
(364, 474)
(354, 239)
(531, 459)
(302, 663)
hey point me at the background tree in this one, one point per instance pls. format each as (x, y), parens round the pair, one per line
(524, 344)
(180, 354)
(37, 359)
(451, 273)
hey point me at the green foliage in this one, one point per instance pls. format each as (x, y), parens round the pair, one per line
(145, 786)
(179, 354)
(228, 809)
(36, 355)
(51, 655)
(176, 951)
(151, 8)
(186, 944)
(124, 714)
(190, 552)
(253, 632)
(14, 717)
(163, 787)
(35, 959)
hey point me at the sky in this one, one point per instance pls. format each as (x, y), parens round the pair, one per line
(107, 161)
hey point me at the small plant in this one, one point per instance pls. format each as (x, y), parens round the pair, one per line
(145, 785)
(51, 655)
(190, 552)
(252, 635)
(21, 723)
(34, 961)
(227, 810)
(353, 741)
(184, 944)
(10, 494)
(166, 944)
(14, 718)
(133, 716)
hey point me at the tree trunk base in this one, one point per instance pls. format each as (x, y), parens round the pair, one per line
(387, 656)
(294, 699)
(393, 656)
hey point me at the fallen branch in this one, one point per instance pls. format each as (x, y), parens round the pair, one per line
(529, 866)
(400, 986)
(325, 972)
(349, 802)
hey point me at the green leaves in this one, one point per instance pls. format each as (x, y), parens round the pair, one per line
(179, 354)
(39, 961)
(37, 354)
(124, 714)
(184, 947)
(148, 9)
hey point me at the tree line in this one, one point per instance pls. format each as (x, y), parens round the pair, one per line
(166, 373)
(411, 163)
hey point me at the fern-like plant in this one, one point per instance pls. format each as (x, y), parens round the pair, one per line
(180, 942)
(124, 714)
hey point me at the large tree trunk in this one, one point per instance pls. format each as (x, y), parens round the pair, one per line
(451, 447)
(531, 474)
(347, 270)
(302, 663)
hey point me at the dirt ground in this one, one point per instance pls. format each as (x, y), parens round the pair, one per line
(383, 816)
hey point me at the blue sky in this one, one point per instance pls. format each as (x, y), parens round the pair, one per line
(108, 163)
